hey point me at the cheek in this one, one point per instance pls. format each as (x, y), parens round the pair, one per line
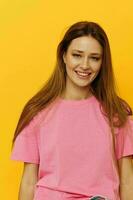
(96, 66)
(71, 64)
(69, 70)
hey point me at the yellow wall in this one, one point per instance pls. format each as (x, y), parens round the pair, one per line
(30, 32)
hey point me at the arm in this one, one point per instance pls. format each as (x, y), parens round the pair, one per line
(126, 177)
(29, 179)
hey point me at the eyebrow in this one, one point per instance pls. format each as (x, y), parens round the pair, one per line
(83, 51)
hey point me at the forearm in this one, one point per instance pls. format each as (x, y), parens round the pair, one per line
(126, 178)
(26, 192)
(126, 192)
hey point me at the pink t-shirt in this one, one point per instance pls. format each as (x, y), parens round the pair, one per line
(72, 145)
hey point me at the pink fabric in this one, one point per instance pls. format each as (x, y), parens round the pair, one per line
(73, 147)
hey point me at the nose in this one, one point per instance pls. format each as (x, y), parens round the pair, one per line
(85, 63)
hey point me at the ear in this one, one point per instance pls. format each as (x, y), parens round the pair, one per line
(64, 57)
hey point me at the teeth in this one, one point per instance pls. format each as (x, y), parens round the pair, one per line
(82, 74)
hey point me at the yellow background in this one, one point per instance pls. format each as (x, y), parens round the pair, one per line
(29, 34)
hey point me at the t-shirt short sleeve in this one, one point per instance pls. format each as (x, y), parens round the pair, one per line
(26, 144)
(124, 140)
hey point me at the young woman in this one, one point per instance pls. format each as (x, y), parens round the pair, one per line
(75, 136)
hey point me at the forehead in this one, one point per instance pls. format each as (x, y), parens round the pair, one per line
(85, 43)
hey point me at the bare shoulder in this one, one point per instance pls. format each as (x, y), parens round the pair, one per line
(30, 173)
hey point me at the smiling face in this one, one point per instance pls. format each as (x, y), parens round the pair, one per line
(84, 54)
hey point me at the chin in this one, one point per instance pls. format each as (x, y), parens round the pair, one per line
(82, 84)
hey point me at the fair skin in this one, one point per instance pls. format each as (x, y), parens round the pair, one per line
(30, 173)
(78, 88)
(79, 57)
(126, 177)
(83, 61)
(28, 181)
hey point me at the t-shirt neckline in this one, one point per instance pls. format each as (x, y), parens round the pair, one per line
(76, 101)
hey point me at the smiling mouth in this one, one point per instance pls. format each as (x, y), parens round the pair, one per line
(83, 74)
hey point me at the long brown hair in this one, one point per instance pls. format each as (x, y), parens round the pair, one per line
(103, 87)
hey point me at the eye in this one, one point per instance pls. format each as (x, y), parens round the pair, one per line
(96, 58)
(76, 55)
